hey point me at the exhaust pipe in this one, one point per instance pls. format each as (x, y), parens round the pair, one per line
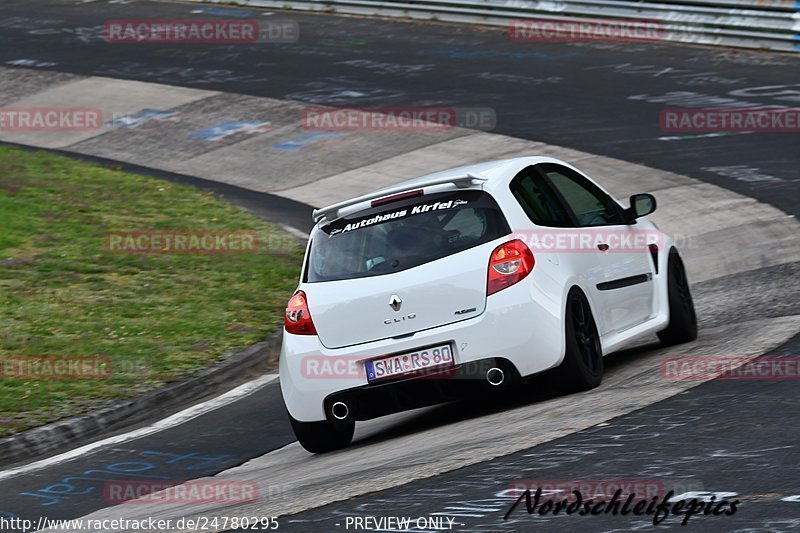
(339, 410)
(495, 376)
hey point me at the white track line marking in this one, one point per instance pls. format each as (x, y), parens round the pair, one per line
(295, 232)
(171, 421)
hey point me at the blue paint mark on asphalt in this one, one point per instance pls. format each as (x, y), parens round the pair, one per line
(143, 116)
(65, 489)
(231, 127)
(298, 143)
(204, 460)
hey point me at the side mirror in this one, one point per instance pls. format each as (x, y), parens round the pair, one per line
(642, 205)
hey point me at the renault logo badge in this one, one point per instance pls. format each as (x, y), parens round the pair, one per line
(395, 302)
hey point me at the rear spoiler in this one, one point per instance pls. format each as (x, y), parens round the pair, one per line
(332, 211)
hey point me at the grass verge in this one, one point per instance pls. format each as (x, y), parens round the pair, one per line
(146, 318)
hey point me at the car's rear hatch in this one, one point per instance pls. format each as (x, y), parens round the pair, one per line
(401, 268)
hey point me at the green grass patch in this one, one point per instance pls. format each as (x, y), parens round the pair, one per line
(155, 318)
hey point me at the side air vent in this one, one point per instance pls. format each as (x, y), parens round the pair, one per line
(654, 254)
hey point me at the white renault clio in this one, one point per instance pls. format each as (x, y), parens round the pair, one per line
(475, 277)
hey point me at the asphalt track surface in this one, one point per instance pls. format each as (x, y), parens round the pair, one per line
(597, 98)
(721, 437)
(602, 98)
(198, 448)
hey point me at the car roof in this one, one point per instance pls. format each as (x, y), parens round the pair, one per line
(490, 170)
(486, 174)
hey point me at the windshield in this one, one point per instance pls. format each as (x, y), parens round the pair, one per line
(403, 235)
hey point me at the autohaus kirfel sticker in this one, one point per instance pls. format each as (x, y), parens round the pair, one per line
(401, 213)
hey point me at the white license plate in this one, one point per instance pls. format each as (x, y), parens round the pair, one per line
(410, 363)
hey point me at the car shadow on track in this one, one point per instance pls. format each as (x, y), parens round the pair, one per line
(536, 389)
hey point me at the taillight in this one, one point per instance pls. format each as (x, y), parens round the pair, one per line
(509, 263)
(298, 319)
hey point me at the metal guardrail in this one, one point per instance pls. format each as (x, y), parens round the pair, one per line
(766, 24)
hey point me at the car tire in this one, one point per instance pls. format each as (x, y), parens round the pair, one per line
(324, 436)
(582, 368)
(682, 317)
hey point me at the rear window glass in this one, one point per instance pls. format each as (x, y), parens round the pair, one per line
(402, 235)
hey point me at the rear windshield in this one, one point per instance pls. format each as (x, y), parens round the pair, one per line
(402, 235)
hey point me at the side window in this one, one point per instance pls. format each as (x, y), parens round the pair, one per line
(539, 200)
(591, 206)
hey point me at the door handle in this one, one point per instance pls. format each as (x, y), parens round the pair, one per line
(602, 247)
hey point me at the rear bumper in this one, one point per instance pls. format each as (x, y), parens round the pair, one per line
(515, 328)
(380, 399)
